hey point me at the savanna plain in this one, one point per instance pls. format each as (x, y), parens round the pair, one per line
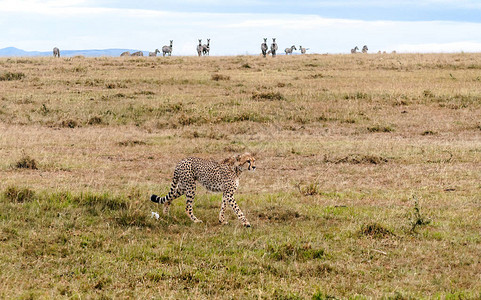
(368, 179)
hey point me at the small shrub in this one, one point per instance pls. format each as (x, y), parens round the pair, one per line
(315, 76)
(9, 76)
(311, 189)
(417, 219)
(428, 132)
(379, 128)
(246, 66)
(18, 195)
(268, 96)
(26, 162)
(113, 85)
(217, 77)
(356, 96)
(428, 94)
(357, 159)
(148, 93)
(279, 214)
(375, 230)
(102, 282)
(69, 123)
(131, 143)
(95, 120)
(289, 251)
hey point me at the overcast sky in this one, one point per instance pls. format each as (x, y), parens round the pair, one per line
(237, 27)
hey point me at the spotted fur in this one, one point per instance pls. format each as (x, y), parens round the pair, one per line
(214, 176)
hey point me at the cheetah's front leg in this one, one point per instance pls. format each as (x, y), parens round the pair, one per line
(237, 210)
(222, 210)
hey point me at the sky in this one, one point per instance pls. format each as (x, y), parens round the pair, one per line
(238, 27)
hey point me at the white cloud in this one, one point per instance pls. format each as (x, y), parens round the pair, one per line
(465, 46)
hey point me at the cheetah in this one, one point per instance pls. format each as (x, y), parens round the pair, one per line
(214, 176)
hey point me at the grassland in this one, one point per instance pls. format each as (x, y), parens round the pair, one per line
(368, 180)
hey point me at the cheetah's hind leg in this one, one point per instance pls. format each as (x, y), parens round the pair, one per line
(190, 194)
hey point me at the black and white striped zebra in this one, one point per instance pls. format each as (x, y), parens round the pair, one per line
(264, 47)
(289, 50)
(274, 47)
(303, 50)
(167, 50)
(364, 49)
(56, 52)
(200, 48)
(138, 53)
(154, 53)
(206, 48)
(354, 50)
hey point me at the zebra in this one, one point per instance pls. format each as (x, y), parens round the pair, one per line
(154, 53)
(273, 47)
(126, 53)
(264, 47)
(200, 48)
(354, 50)
(303, 50)
(138, 53)
(289, 50)
(167, 49)
(206, 48)
(56, 52)
(364, 49)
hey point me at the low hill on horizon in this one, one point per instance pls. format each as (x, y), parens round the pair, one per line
(13, 51)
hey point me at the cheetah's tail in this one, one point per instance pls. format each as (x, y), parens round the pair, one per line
(173, 193)
(156, 199)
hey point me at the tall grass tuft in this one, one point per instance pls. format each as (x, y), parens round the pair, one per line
(18, 195)
(26, 162)
(268, 96)
(103, 201)
(375, 230)
(9, 76)
(417, 219)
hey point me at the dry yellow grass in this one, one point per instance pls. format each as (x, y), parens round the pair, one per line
(344, 143)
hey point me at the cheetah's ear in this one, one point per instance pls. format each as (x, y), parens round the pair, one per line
(237, 159)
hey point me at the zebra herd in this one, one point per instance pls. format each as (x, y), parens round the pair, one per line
(356, 49)
(274, 48)
(166, 50)
(205, 49)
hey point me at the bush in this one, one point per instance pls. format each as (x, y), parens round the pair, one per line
(379, 128)
(69, 123)
(375, 230)
(268, 96)
(8, 76)
(26, 162)
(217, 77)
(95, 120)
(18, 195)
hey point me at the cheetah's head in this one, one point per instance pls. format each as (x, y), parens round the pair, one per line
(246, 158)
